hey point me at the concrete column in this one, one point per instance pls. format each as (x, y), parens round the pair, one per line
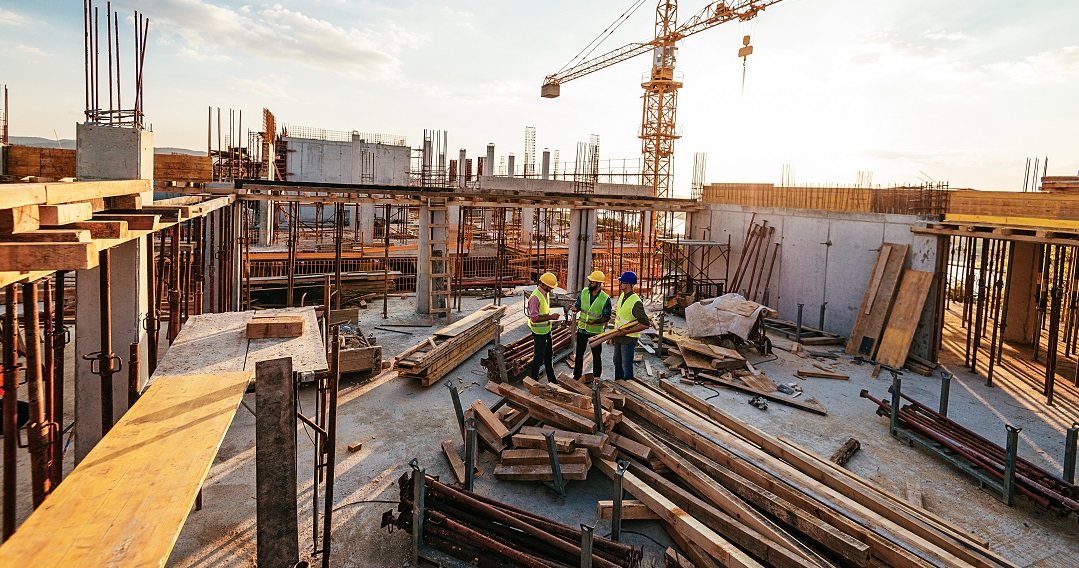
(423, 255)
(510, 165)
(265, 208)
(461, 179)
(1022, 307)
(110, 153)
(582, 234)
(489, 164)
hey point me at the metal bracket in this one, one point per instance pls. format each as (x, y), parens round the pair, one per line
(552, 453)
(616, 509)
(62, 336)
(97, 357)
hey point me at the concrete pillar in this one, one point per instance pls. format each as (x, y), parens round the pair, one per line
(1022, 307)
(105, 152)
(461, 179)
(528, 214)
(423, 255)
(582, 234)
(265, 208)
(510, 165)
(489, 164)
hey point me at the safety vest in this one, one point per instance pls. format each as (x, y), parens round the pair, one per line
(623, 312)
(591, 312)
(543, 327)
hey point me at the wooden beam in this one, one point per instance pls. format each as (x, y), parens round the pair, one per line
(484, 415)
(21, 194)
(66, 213)
(133, 201)
(632, 510)
(100, 228)
(456, 463)
(47, 256)
(140, 222)
(57, 193)
(19, 219)
(49, 236)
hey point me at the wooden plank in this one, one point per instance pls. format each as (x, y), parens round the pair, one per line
(66, 213)
(456, 463)
(808, 406)
(49, 236)
(809, 373)
(555, 394)
(632, 510)
(590, 441)
(541, 457)
(672, 559)
(57, 193)
(307, 351)
(276, 525)
(873, 313)
(904, 318)
(570, 472)
(486, 437)
(19, 219)
(484, 415)
(151, 465)
(689, 527)
(549, 413)
(275, 326)
(636, 450)
(540, 442)
(139, 222)
(24, 257)
(101, 229)
(133, 201)
(21, 194)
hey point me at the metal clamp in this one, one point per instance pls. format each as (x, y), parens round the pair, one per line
(62, 336)
(97, 358)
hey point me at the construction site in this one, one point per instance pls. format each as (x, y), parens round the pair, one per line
(302, 346)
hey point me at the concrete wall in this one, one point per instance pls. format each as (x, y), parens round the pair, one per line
(356, 161)
(380, 164)
(824, 256)
(535, 185)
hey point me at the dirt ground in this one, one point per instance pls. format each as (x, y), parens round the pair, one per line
(397, 420)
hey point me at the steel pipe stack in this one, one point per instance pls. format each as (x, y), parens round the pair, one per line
(1040, 486)
(478, 529)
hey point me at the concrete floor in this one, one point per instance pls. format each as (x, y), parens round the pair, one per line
(396, 420)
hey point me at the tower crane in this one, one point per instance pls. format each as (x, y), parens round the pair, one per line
(658, 131)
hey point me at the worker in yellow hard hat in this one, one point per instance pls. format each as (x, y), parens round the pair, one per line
(593, 307)
(539, 322)
(630, 320)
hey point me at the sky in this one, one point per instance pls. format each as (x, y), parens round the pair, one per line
(908, 90)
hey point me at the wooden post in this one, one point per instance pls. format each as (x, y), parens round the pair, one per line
(278, 537)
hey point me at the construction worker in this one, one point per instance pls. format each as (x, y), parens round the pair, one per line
(630, 320)
(594, 309)
(539, 322)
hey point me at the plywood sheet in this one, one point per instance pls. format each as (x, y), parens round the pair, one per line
(906, 312)
(125, 504)
(880, 291)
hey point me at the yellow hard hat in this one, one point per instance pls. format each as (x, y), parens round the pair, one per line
(549, 279)
(597, 276)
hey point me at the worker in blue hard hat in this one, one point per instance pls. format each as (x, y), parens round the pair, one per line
(539, 323)
(593, 307)
(629, 320)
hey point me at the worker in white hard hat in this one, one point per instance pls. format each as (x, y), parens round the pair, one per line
(539, 322)
(593, 308)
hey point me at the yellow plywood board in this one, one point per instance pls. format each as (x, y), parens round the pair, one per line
(125, 504)
(1033, 222)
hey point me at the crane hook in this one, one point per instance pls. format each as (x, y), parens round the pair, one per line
(745, 51)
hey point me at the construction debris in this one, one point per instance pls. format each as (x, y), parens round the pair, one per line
(439, 354)
(845, 452)
(516, 356)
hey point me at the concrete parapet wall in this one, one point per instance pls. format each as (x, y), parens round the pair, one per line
(536, 185)
(824, 256)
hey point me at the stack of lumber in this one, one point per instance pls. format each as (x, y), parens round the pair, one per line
(518, 355)
(439, 354)
(739, 497)
(183, 167)
(486, 532)
(23, 161)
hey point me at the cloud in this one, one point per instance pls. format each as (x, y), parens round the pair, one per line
(30, 50)
(275, 32)
(271, 87)
(11, 18)
(1044, 67)
(946, 36)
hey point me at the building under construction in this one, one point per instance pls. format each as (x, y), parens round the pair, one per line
(309, 346)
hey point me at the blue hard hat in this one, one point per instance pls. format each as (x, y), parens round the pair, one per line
(628, 277)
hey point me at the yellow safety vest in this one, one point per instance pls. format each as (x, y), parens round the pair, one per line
(623, 312)
(544, 327)
(591, 312)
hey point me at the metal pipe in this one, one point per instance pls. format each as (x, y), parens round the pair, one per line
(798, 326)
(945, 389)
(419, 477)
(586, 545)
(37, 428)
(455, 396)
(133, 375)
(151, 312)
(597, 408)
(556, 468)
(60, 341)
(1009, 463)
(897, 386)
(616, 509)
(1070, 443)
(106, 356)
(470, 453)
(820, 325)
(49, 377)
(339, 237)
(11, 416)
(330, 444)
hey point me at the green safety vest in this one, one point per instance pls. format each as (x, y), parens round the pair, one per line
(592, 312)
(544, 327)
(623, 312)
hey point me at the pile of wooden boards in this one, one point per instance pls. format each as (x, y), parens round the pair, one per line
(739, 497)
(450, 346)
(512, 360)
(891, 309)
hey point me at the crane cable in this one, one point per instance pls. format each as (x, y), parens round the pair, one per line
(599, 39)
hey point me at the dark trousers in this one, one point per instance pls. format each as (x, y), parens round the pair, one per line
(578, 361)
(623, 361)
(542, 355)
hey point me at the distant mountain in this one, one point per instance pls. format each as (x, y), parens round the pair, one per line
(68, 144)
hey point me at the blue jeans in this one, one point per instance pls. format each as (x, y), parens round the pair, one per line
(623, 361)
